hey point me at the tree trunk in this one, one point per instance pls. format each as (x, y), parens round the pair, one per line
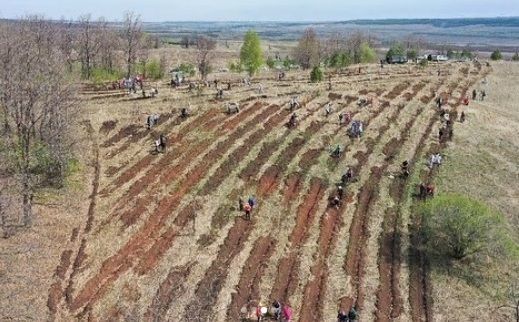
(26, 201)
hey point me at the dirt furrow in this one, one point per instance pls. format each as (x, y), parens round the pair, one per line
(287, 279)
(311, 308)
(168, 290)
(389, 297)
(359, 232)
(247, 288)
(208, 288)
(273, 175)
(146, 236)
(148, 159)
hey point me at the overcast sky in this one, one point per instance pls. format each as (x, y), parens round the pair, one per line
(264, 10)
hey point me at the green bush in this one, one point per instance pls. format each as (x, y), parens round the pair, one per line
(339, 60)
(515, 57)
(47, 166)
(271, 63)
(496, 55)
(395, 50)
(152, 69)
(316, 75)
(187, 69)
(235, 67)
(101, 75)
(456, 227)
(367, 54)
(288, 63)
(412, 54)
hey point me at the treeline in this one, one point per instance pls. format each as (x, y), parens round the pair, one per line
(41, 61)
(37, 108)
(101, 50)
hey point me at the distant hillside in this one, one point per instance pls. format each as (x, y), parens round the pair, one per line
(475, 32)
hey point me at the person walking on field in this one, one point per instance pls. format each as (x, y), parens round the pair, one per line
(247, 208)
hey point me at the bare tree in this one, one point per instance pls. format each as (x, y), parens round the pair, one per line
(132, 36)
(36, 105)
(88, 43)
(67, 33)
(204, 47)
(146, 44)
(307, 53)
(108, 45)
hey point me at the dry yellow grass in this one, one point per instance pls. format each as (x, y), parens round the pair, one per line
(482, 163)
(131, 293)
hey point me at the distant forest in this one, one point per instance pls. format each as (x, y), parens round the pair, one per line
(479, 33)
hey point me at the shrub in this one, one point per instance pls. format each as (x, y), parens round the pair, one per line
(187, 69)
(102, 75)
(395, 50)
(515, 57)
(271, 63)
(288, 63)
(235, 67)
(412, 54)
(367, 54)
(496, 55)
(153, 70)
(316, 75)
(339, 60)
(455, 227)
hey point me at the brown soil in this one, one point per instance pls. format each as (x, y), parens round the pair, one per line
(122, 261)
(265, 153)
(247, 288)
(293, 184)
(397, 90)
(148, 261)
(107, 127)
(234, 122)
(209, 287)
(128, 175)
(389, 297)
(169, 290)
(239, 154)
(334, 96)
(125, 132)
(64, 264)
(359, 235)
(315, 289)
(287, 277)
(272, 176)
(269, 180)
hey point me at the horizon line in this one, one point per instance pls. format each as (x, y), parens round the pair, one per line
(282, 21)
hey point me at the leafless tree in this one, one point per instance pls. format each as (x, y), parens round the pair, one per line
(132, 37)
(67, 42)
(88, 44)
(108, 44)
(36, 105)
(204, 48)
(307, 53)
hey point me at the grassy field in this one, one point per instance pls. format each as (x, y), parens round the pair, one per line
(159, 237)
